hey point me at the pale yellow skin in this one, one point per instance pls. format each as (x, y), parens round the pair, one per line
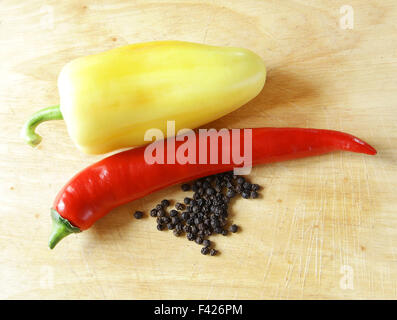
(110, 99)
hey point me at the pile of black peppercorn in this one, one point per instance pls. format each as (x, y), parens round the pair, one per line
(206, 213)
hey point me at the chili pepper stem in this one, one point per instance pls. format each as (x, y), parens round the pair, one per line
(46, 114)
(60, 229)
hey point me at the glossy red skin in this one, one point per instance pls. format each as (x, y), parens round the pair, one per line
(125, 176)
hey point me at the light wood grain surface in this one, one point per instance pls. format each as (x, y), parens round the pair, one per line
(319, 222)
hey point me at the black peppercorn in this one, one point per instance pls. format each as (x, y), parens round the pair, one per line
(247, 186)
(160, 212)
(173, 213)
(206, 243)
(218, 230)
(206, 212)
(190, 236)
(170, 226)
(254, 194)
(153, 213)
(138, 214)
(179, 206)
(175, 220)
(240, 180)
(193, 229)
(245, 194)
(165, 219)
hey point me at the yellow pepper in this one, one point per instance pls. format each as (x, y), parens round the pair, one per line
(109, 100)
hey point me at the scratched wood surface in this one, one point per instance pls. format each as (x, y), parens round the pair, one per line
(324, 227)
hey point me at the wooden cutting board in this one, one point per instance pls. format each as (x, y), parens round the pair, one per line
(324, 227)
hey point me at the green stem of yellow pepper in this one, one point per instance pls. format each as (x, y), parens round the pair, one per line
(46, 114)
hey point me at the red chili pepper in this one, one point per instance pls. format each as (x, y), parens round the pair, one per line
(126, 176)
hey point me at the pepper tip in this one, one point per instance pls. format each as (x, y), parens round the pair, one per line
(372, 151)
(365, 147)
